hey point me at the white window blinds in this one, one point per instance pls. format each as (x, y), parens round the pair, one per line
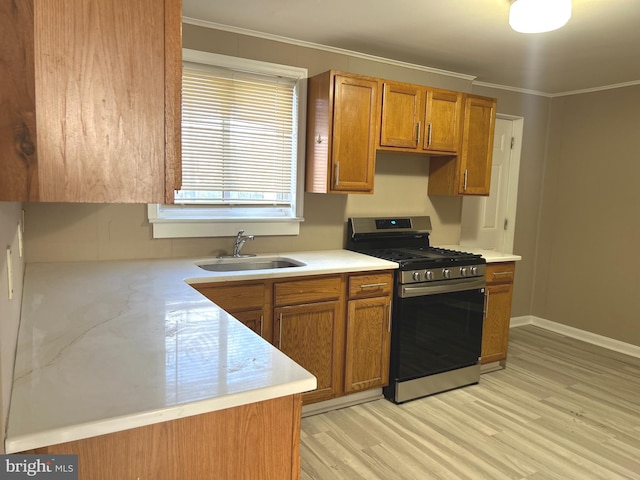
(238, 137)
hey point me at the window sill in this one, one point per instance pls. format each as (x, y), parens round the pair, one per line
(207, 227)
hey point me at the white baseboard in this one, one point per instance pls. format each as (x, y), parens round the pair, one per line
(585, 336)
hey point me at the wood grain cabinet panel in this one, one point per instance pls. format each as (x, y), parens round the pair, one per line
(342, 125)
(314, 289)
(420, 119)
(93, 95)
(257, 441)
(376, 284)
(368, 338)
(368, 343)
(468, 173)
(312, 335)
(248, 302)
(498, 297)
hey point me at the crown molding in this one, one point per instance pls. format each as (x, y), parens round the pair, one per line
(397, 63)
(325, 48)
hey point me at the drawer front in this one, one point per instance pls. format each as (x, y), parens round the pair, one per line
(376, 284)
(237, 297)
(502, 272)
(307, 291)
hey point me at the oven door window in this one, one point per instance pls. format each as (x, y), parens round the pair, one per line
(437, 333)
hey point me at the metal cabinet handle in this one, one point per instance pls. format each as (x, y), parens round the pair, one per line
(374, 285)
(418, 132)
(486, 303)
(261, 325)
(495, 274)
(280, 332)
(337, 173)
(466, 173)
(429, 136)
(389, 318)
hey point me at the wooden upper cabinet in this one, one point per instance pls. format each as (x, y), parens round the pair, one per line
(402, 115)
(468, 173)
(477, 145)
(420, 119)
(443, 119)
(93, 95)
(342, 125)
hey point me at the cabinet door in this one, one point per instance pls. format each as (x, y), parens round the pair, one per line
(18, 152)
(249, 303)
(442, 118)
(495, 333)
(368, 341)
(254, 319)
(477, 145)
(309, 334)
(402, 115)
(106, 79)
(355, 118)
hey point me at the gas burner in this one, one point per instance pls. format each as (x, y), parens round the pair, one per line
(405, 240)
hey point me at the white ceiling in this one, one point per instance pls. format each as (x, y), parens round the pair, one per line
(600, 45)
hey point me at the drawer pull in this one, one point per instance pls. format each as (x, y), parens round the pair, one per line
(495, 274)
(374, 285)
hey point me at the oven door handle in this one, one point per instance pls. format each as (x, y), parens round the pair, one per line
(448, 286)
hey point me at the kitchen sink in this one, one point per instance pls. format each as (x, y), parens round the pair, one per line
(235, 264)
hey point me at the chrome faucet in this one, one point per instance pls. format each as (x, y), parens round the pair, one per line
(240, 239)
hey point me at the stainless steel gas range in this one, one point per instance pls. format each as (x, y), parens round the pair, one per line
(438, 306)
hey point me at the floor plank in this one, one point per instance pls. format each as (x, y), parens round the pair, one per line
(561, 410)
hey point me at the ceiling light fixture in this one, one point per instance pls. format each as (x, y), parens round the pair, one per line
(537, 16)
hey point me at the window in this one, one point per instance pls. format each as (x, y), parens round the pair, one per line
(242, 149)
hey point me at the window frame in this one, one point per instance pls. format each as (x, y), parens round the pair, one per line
(173, 221)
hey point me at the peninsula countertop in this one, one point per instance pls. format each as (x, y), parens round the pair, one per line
(106, 346)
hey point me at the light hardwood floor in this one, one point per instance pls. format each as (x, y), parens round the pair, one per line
(562, 409)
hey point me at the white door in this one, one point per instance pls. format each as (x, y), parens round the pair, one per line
(488, 222)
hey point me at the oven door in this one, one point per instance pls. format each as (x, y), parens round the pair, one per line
(436, 328)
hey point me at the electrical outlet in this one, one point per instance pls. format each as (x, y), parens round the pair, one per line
(9, 273)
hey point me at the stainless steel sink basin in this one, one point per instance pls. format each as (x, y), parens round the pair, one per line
(253, 263)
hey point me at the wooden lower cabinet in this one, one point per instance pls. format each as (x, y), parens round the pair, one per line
(250, 442)
(248, 302)
(335, 326)
(310, 335)
(368, 331)
(498, 297)
(368, 342)
(309, 328)
(254, 319)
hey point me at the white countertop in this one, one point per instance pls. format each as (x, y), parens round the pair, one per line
(491, 256)
(108, 346)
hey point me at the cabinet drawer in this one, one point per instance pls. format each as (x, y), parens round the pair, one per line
(502, 272)
(234, 298)
(305, 291)
(377, 284)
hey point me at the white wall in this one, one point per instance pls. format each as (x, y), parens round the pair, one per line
(10, 217)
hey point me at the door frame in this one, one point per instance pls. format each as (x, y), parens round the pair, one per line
(514, 175)
(504, 242)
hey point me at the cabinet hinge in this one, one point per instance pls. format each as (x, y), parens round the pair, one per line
(513, 142)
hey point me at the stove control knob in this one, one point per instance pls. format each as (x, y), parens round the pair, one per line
(428, 275)
(463, 271)
(416, 276)
(474, 270)
(446, 273)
